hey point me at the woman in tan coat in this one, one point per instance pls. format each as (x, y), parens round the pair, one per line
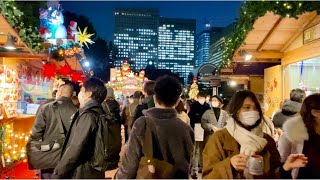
(226, 153)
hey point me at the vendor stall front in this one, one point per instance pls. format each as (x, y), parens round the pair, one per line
(22, 89)
(292, 39)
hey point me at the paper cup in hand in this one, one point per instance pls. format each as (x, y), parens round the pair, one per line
(255, 165)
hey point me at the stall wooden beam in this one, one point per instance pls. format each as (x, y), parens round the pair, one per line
(23, 55)
(269, 35)
(298, 32)
(266, 56)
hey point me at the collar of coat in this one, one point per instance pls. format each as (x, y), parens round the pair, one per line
(159, 113)
(295, 129)
(90, 104)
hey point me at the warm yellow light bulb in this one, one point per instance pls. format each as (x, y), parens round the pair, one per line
(15, 157)
(15, 145)
(10, 147)
(14, 152)
(23, 155)
(8, 126)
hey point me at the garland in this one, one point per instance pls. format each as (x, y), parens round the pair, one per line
(251, 11)
(70, 49)
(28, 34)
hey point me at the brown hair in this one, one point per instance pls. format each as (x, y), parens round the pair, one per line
(180, 107)
(311, 102)
(149, 87)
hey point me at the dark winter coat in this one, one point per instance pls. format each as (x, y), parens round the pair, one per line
(175, 140)
(289, 110)
(196, 112)
(45, 125)
(113, 106)
(79, 146)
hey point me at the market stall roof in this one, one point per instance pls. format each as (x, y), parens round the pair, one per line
(271, 37)
(22, 50)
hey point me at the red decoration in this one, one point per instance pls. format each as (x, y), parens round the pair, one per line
(49, 71)
(65, 70)
(195, 80)
(76, 77)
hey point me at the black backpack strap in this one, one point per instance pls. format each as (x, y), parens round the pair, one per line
(56, 111)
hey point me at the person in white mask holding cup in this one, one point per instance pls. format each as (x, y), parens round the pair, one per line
(242, 150)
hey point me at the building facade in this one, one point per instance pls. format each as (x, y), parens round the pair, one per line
(136, 36)
(203, 44)
(217, 46)
(176, 48)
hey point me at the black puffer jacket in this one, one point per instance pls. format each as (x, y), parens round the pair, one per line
(79, 146)
(113, 106)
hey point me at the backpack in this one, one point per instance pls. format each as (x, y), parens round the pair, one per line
(108, 143)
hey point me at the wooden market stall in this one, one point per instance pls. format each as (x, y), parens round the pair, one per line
(289, 41)
(21, 90)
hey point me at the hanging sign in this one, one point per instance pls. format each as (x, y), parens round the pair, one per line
(311, 34)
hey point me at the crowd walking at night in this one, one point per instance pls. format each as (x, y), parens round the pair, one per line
(169, 136)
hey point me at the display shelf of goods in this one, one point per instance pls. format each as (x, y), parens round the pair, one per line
(251, 11)
(10, 109)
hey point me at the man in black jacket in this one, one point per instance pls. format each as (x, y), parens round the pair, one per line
(80, 143)
(45, 126)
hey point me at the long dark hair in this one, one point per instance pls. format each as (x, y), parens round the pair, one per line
(236, 103)
(311, 102)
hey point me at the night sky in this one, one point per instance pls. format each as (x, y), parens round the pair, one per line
(100, 13)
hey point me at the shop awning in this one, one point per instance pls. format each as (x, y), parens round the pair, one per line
(271, 37)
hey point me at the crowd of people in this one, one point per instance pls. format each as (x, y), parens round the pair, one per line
(206, 138)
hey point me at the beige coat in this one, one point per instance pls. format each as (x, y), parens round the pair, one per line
(221, 147)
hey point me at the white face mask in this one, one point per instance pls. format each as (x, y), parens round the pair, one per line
(202, 101)
(215, 104)
(82, 98)
(249, 118)
(130, 101)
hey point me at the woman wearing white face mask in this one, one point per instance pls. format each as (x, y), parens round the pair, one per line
(226, 153)
(213, 119)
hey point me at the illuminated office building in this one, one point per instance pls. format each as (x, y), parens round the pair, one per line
(136, 36)
(176, 45)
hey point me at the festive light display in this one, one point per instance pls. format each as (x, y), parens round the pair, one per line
(194, 89)
(68, 50)
(13, 145)
(251, 11)
(65, 70)
(126, 80)
(84, 37)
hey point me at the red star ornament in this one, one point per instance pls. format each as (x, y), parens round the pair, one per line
(65, 70)
(76, 77)
(49, 71)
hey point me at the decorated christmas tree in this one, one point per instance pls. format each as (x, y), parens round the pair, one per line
(194, 89)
